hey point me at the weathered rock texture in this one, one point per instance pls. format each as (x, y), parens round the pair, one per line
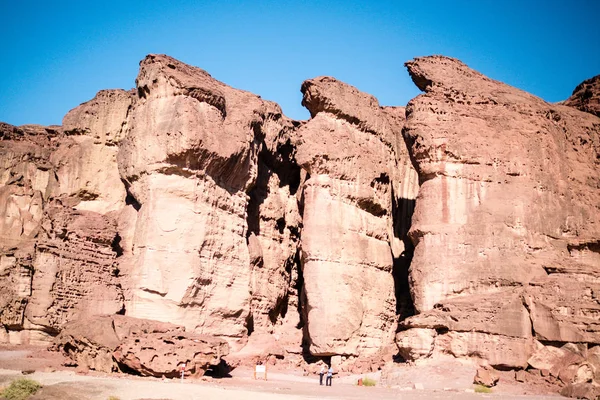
(507, 221)
(58, 259)
(185, 201)
(190, 160)
(356, 170)
(150, 348)
(586, 96)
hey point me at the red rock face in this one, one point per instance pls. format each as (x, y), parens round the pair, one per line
(58, 257)
(507, 220)
(150, 348)
(190, 158)
(586, 96)
(355, 171)
(188, 202)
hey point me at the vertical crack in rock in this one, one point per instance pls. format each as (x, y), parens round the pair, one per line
(402, 211)
(274, 226)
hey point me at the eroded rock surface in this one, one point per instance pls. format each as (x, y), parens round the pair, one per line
(190, 160)
(355, 172)
(586, 96)
(201, 206)
(59, 238)
(507, 220)
(75, 268)
(150, 348)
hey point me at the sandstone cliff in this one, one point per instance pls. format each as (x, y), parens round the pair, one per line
(507, 221)
(58, 258)
(355, 171)
(466, 225)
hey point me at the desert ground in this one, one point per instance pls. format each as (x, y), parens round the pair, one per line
(438, 382)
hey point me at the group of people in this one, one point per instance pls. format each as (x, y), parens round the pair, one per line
(329, 375)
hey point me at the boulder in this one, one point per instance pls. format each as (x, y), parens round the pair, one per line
(164, 354)
(414, 344)
(581, 391)
(486, 376)
(150, 348)
(568, 363)
(594, 359)
(521, 375)
(546, 357)
(90, 342)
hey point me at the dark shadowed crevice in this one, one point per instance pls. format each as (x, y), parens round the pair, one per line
(219, 371)
(302, 298)
(286, 167)
(299, 289)
(279, 163)
(130, 200)
(402, 211)
(257, 196)
(280, 310)
(250, 323)
(122, 310)
(413, 147)
(127, 370)
(116, 245)
(282, 164)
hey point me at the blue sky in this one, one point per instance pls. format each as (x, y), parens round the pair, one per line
(58, 54)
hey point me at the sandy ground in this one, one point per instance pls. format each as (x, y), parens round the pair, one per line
(71, 385)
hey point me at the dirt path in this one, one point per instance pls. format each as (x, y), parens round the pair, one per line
(69, 385)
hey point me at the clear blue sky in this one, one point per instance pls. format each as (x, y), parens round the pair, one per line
(57, 54)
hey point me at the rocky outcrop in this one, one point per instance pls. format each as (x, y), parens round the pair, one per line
(471, 216)
(150, 348)
(86, 160)
(486, 376)
(586, 96)
(581, 391)
(58, 244)
(355, 173)
(163, 354)
(507, 221)
(76, 272)
(190, 160)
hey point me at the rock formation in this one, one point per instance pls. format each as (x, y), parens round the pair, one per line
(507, 221)
(586, 96)
(355, 171)
(213, 222)
(149, 348)
(189, 158)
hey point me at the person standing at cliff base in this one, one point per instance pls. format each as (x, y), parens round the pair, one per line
(329, 376)
(321, 373)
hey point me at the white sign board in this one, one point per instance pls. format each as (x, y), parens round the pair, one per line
(260, 372)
